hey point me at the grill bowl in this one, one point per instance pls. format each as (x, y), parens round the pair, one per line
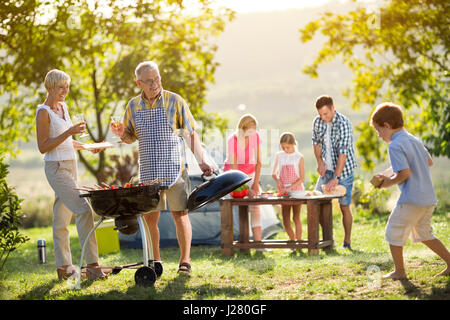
(124, 202)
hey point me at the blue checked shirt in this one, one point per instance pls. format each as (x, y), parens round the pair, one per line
(341, 141)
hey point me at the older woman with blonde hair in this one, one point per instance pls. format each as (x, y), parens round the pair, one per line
(244, 154)
(54, 130)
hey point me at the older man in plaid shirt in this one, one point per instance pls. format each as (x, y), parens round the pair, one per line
(332, 139)
(159, 120)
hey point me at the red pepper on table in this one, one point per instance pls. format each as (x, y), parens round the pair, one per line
(240, 192)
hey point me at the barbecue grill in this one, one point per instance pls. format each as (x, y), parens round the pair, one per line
(126, 206)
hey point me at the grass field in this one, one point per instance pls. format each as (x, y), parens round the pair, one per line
(278, 274)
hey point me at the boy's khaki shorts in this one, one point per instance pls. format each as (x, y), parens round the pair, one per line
(409, 220)
(177, 195)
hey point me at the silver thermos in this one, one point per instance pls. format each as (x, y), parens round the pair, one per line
(42, 254)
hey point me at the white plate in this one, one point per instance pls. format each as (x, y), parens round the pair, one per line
(298, 193)
(100, 145)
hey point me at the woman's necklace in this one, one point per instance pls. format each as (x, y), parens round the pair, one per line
(58, 110)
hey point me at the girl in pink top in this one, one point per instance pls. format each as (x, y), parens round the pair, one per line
(289, 174)
(244, 154)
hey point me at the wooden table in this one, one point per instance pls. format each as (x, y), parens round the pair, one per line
(319, 211)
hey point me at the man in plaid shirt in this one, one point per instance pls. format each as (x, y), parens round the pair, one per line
(157, 118)
(332, 140)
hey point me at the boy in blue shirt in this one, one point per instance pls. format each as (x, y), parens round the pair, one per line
(410, 163)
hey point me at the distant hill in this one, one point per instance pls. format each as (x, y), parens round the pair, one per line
(261, 58)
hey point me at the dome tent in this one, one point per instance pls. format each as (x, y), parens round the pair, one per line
(206, 222)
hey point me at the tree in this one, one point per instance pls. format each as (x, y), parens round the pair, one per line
(99, 44)
(10, 218)
(398, 53)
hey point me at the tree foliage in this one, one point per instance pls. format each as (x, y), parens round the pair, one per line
(398, 52)
(10, 217)
(99, 44)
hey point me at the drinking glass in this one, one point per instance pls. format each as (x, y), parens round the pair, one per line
(116, 121)
(80, 118)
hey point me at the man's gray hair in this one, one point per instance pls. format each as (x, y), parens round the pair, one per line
(144, 66)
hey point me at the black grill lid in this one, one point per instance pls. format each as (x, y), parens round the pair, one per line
(216, 188)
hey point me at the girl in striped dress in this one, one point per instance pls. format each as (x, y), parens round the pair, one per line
(289, 174)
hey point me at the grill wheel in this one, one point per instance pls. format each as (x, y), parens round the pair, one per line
(145, 276)
(158, 268)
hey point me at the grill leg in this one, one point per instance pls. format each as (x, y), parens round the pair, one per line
(82, 251)
(147, 246)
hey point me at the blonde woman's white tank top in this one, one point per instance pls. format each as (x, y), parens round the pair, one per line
(65, 150)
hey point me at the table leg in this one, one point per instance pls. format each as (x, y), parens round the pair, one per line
(226, 216)
(313, 226)
(244, 235)
(326, 215)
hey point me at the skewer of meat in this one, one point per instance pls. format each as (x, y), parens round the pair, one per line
(83, 189)
(88, 187)
(106, 185)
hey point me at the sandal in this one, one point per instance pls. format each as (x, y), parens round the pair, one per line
(184, 268)
(95, 272)
(65, 272)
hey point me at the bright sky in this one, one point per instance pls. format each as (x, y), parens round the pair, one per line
(242, 6)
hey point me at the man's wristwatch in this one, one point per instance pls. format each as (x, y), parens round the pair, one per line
(335, 176)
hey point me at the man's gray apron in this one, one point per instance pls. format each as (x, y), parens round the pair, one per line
(159, 148)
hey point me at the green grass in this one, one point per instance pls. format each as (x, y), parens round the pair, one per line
(278, 274)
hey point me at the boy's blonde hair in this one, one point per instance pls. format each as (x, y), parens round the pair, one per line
(55, 77)
(245, 122)
(387, 112)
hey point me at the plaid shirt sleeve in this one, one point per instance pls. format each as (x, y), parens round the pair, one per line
(345, 146)
(184, 118)
(128, 119)
(345, 143)
(316, 137)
